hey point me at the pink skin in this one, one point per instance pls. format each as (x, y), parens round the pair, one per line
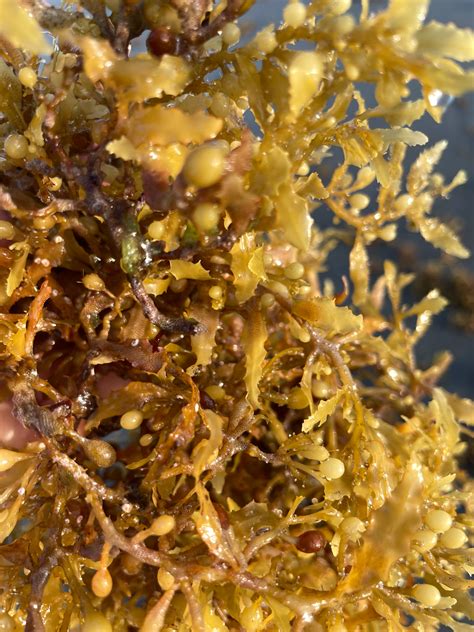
(108, 383)
(14, 435)
(4, 216)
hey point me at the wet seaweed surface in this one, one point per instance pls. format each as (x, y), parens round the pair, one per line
(203, 426)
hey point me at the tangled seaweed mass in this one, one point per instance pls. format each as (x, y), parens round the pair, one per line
(197, 432)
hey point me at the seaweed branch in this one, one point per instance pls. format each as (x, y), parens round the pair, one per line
(228, 434)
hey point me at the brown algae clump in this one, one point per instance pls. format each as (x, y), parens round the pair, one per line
(199, 430)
